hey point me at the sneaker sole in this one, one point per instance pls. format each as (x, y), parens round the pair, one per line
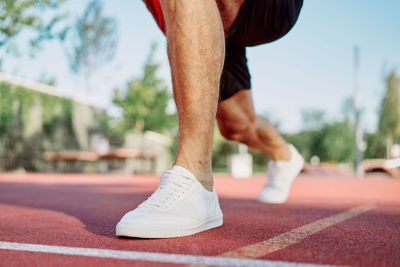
(272, 201)
(143, 231)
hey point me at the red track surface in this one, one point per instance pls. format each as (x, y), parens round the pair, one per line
(82, 210)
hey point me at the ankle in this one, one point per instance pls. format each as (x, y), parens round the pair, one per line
(207, 184)
(204, 176)
(281, 153)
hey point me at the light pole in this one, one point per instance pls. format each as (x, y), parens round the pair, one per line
(357, 114)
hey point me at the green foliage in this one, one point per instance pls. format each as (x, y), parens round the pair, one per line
(331, 142)
(18, 15)
(260, 160)
(389, 110)
(16, 102)
(375, 146)
(6, 107)
(55, 110)
(144, 101)
(105, 127)
(312, 119)
(337, 140)
(94, 39)
(306, 141)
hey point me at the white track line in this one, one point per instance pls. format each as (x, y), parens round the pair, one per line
(294, 236)
(149, 256)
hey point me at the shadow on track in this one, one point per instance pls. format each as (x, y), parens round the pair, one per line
(100, 207)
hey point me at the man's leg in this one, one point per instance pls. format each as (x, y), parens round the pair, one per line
(185, 201)
(237, 121)
(195, 40)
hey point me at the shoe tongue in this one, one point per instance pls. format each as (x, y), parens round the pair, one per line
(183, 172)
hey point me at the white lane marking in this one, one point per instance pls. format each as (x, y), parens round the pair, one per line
(149, 256)
(294, 236)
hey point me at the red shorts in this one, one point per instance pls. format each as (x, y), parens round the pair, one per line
(155, 8)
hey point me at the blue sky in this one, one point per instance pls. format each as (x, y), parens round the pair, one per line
(310, 68)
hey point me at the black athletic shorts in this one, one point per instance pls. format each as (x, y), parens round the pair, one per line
(258, 22)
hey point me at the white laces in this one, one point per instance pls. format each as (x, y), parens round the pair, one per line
(172, 187)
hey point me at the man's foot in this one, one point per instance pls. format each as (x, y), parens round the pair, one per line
(280, 177)
(180, 206)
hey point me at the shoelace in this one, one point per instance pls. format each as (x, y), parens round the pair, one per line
(171, 188)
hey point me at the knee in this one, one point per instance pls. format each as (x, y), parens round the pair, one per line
(239, 130)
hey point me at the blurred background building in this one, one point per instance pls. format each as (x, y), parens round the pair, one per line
(42, 130)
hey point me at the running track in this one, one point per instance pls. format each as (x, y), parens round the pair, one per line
(68, 220)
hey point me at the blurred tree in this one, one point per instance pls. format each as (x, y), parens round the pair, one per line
(312, 119)
(308, 140)
(19, 15)
(375, 146)
(107, 129)
(144, 101)
(304, 141)
(93, 42)
(330, 141)
(335, 142)
(389, 111)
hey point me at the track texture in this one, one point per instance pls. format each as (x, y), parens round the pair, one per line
(82, 210)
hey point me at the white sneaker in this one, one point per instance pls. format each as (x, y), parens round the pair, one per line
(280, 177)
(180, 206)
